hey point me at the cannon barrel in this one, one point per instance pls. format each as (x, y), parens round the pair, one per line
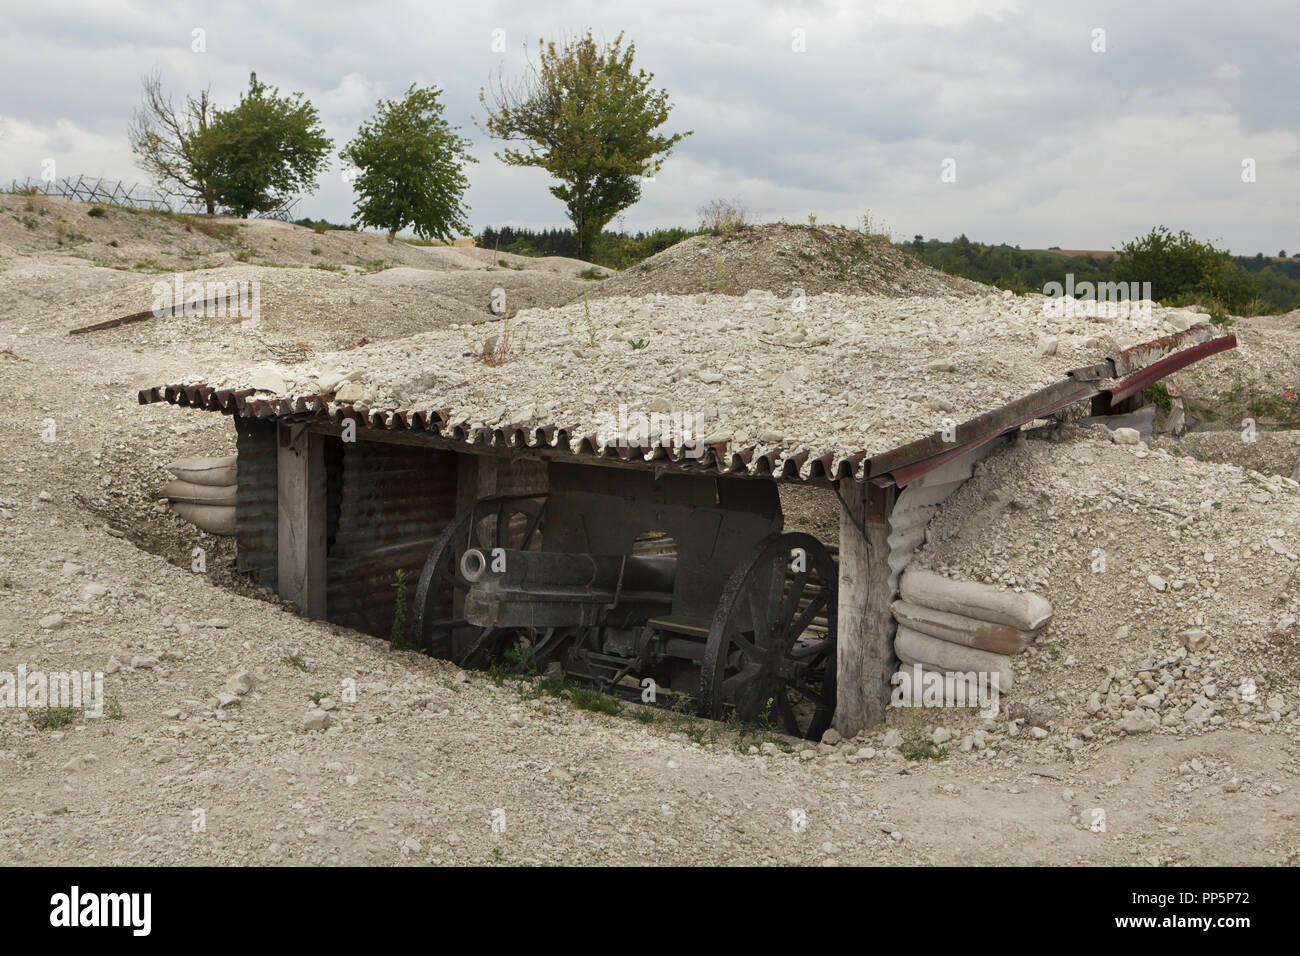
(555, 569)
(510, 588)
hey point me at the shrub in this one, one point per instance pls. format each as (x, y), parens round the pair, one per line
(722, 215)
(96, 211)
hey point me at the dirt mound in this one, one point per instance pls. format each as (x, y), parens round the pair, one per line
(780, 258)
(1175, 583)
(145, 241)
(1270, 452)
(1259, 380)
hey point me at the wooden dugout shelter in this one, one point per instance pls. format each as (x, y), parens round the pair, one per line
(334, 499)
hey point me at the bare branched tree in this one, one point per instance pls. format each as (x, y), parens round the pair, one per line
(165, 140)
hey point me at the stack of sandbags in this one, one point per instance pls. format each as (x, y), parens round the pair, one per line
(203, 492)
(946, 625)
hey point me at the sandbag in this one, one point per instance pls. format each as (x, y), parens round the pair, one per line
(217, 519)
(913, 647)
(205, 471)
(967, 631)
(1024, 611)
(187, 492)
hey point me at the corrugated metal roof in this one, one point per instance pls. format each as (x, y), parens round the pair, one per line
(1165, 354)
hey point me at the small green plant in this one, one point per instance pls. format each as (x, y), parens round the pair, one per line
(584, 698)
(315, 250)
(591, 323)
(1158, 395)
(51, 718)
(327, 267)
(397, 635)
(28, 221)
(316, 696)
(293, 660)
(319, 227)
(592, 274)
(96, 212)
(113, 243)
(113, 710)
(916, 747)
(1219, 317)
(637, 344)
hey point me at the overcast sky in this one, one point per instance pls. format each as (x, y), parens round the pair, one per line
(1052, 142)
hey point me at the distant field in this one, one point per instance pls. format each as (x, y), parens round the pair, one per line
(1083, 253)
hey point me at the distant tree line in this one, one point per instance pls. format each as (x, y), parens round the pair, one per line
(1182, 270)
(612, 249)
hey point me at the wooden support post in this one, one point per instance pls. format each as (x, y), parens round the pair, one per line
(865, 643)
(300, 477)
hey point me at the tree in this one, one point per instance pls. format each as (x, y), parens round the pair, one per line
(263, 150)
(1183, 270)
(585, 116)
(410, 163)
(166, 141)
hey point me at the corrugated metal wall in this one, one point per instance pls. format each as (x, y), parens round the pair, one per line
(392, 501)
(256, 500)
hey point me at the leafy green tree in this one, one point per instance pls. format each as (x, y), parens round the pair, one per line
(263, 150)
(587, 117)
(410, 164)
(1183, 270)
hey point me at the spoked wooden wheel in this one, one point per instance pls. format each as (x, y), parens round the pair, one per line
(507, 521)
(770, 653)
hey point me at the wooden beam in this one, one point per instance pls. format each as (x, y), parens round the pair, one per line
(300, 479)
(864, 651)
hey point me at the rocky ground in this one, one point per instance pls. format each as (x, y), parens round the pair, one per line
(235, 732)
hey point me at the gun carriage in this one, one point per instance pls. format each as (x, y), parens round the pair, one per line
(630, 579)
